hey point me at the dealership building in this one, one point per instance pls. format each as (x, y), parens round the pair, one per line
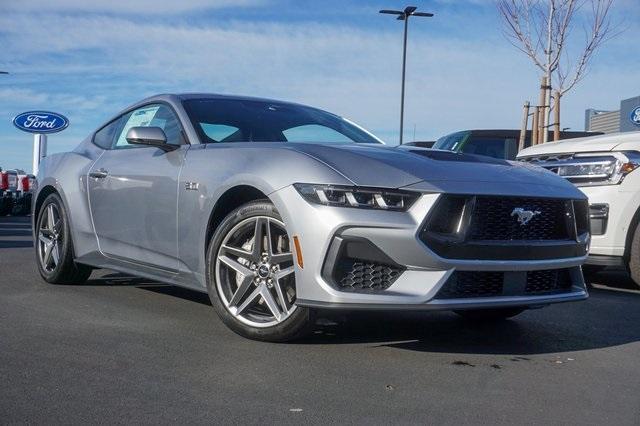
(625, 119)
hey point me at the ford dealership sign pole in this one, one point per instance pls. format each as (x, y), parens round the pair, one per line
(40, 123)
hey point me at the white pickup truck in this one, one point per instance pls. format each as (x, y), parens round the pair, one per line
(26, 184)
(603, 167)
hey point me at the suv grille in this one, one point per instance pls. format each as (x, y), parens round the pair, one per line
(471, 284)
(493, 219)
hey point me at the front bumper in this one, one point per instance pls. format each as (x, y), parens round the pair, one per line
(396, 235)
(623, 202)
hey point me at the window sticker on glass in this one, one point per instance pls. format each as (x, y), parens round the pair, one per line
(139, 118)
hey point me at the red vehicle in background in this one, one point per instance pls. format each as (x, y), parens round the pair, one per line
(16, 192)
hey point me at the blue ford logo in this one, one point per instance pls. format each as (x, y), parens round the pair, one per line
(40, 122)
(635, 116)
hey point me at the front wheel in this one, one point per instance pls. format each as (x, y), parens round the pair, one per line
(489, 314)
(54, 248)
(250, 276)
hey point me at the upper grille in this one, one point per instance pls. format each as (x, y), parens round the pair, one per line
(507, 228)
(493, 220)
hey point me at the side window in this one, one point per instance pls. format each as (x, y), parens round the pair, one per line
(104, 137)
(150, 116)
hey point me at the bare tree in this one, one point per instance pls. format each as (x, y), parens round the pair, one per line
(541, 29)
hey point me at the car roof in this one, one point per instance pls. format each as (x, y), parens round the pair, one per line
(198, 95)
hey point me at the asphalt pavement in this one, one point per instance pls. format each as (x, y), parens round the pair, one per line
(124, 350)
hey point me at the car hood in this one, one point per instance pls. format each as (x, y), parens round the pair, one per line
(589, 144)
(436, 170)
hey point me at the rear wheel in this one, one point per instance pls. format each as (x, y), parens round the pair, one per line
(54, 248)
(250, 275)
(490, 314)
(634, 256)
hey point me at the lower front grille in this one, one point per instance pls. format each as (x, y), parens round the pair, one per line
(548, 281)
(476, 284)
(472, 284)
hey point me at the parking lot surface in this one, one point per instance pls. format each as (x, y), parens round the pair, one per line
(124, 350)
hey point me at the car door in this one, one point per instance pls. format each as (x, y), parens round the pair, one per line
(133, 191)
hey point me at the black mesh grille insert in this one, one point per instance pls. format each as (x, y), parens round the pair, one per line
(494, 219)
(464, 284)
(549, 281)
(358, 275)
(470, 284)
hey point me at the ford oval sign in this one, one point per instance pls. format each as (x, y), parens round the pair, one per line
(40, 122)
(635, 116)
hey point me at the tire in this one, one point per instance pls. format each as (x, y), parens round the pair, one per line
(5, 206)
(490, 314)
(633, 265)
(254, 293)
(53, 241)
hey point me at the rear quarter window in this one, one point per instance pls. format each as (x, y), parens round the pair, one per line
(104, 137)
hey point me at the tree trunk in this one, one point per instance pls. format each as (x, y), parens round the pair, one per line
(534, 126)
(541, 107)
(525, 124)
(556, 113)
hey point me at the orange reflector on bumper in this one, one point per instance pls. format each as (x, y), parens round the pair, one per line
(296, 243)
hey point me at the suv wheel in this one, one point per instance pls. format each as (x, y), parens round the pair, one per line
(54, 248)
(633, 264)
(250, 275)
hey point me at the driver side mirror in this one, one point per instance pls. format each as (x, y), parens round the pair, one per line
(151, 136)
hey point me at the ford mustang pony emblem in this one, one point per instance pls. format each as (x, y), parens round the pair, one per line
(524, 216)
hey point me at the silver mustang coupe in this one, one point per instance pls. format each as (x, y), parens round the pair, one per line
(277, 210)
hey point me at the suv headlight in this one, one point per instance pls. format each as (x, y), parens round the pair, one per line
(597, 168)
(358, 197)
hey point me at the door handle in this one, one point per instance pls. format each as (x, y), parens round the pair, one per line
(99, 174)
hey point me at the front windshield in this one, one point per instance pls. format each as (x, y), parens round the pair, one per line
(241, 120)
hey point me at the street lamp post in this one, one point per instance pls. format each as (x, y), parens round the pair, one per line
(403, 15)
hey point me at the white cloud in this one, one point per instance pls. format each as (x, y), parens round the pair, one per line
(146, 7)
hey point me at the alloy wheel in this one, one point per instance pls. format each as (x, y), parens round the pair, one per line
(255, 274)
(50, 234)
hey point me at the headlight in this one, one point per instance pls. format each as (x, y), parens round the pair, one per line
(588, 169)
(358, 197)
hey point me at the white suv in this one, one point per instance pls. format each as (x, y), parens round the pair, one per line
(603, 168)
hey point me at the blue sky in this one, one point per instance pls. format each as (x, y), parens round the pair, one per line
(89, 59)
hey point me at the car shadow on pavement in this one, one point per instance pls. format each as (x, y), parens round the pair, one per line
(118, 280)
(609, 318)
(15, 232)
